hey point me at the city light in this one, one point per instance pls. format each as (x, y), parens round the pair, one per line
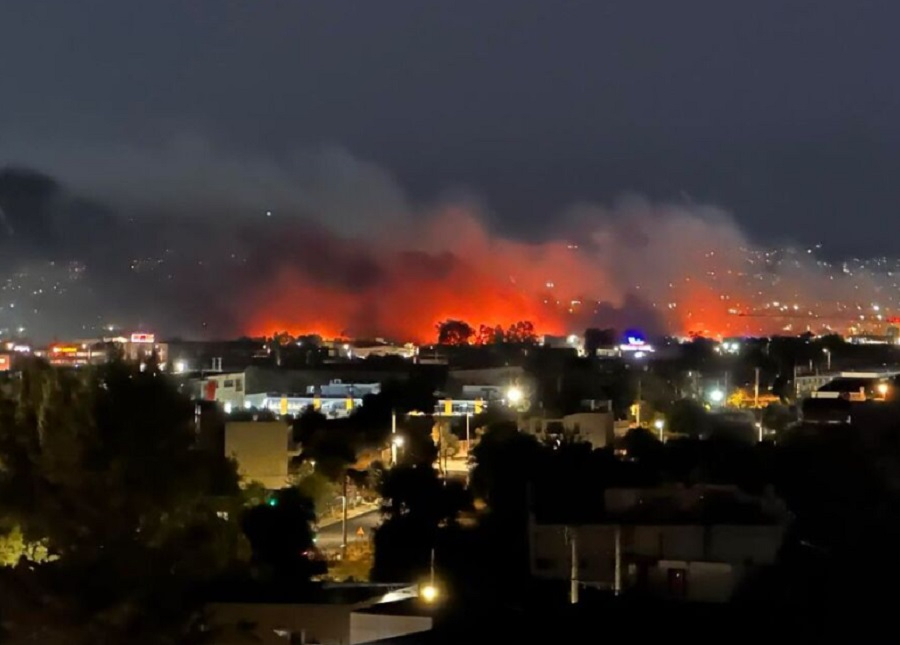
(717, 396)
(883, 389)
(430, 593)
(227, 408)
(398, 441)
(515, 395)
(659, 424)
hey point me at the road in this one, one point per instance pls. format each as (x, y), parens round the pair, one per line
(329, 537)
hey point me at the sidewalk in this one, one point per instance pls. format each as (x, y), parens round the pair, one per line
(360, 509)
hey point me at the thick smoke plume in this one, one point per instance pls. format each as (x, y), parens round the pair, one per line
(187, 241)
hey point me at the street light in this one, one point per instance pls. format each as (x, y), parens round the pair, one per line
(659, 424)
(430, 593)
(883, 389)
(398, 441)
(515, 395)
(717, 396)
(827, 353)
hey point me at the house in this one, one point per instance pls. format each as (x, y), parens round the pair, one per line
(596, 426)
(694, 544)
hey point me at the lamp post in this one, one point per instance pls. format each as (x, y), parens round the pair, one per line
(344, 518)
(660, 425)
(394, 438)
(430, 591)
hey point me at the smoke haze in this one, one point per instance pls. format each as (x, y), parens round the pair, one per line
(190, 241)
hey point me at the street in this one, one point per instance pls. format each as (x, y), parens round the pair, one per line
(329, 537)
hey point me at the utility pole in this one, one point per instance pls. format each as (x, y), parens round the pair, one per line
(571, 535)
(393, 438)
(344, 519)
(468, 450)
(756, 411)
(637, 416)
(617, 583)
(756, 389)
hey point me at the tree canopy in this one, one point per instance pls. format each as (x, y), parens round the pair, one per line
(99, 467)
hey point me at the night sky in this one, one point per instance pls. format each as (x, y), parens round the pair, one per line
(783, 114)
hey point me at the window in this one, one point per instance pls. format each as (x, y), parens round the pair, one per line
(239, 385)
(228, 383)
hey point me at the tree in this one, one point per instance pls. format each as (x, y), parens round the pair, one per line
(454, 332)
(308, 425)
(419, 447)
(488, 335)
(642, 444)
(522, 332)
(416, 503)
(777, 417)
(688, 418)
(281, 537)
(319, 489)
(504, 460)
(99, 466)
(448, 442)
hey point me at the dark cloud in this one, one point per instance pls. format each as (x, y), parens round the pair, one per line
(785, 113)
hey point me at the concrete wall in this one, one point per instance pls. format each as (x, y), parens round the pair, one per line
(261, 451)
(273, 624)
(550, 552)
(367, 627)
(277, 624)
(711, 559)
(699, 581)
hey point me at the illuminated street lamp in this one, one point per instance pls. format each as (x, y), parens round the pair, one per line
(430, 593)
(515, 395)
(660, 425)
(883, 389)
(717, 396)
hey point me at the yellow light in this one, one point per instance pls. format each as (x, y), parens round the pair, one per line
(883, 389)
(515, 395)
(430, 593)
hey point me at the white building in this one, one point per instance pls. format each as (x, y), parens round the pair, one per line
(596, 428)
